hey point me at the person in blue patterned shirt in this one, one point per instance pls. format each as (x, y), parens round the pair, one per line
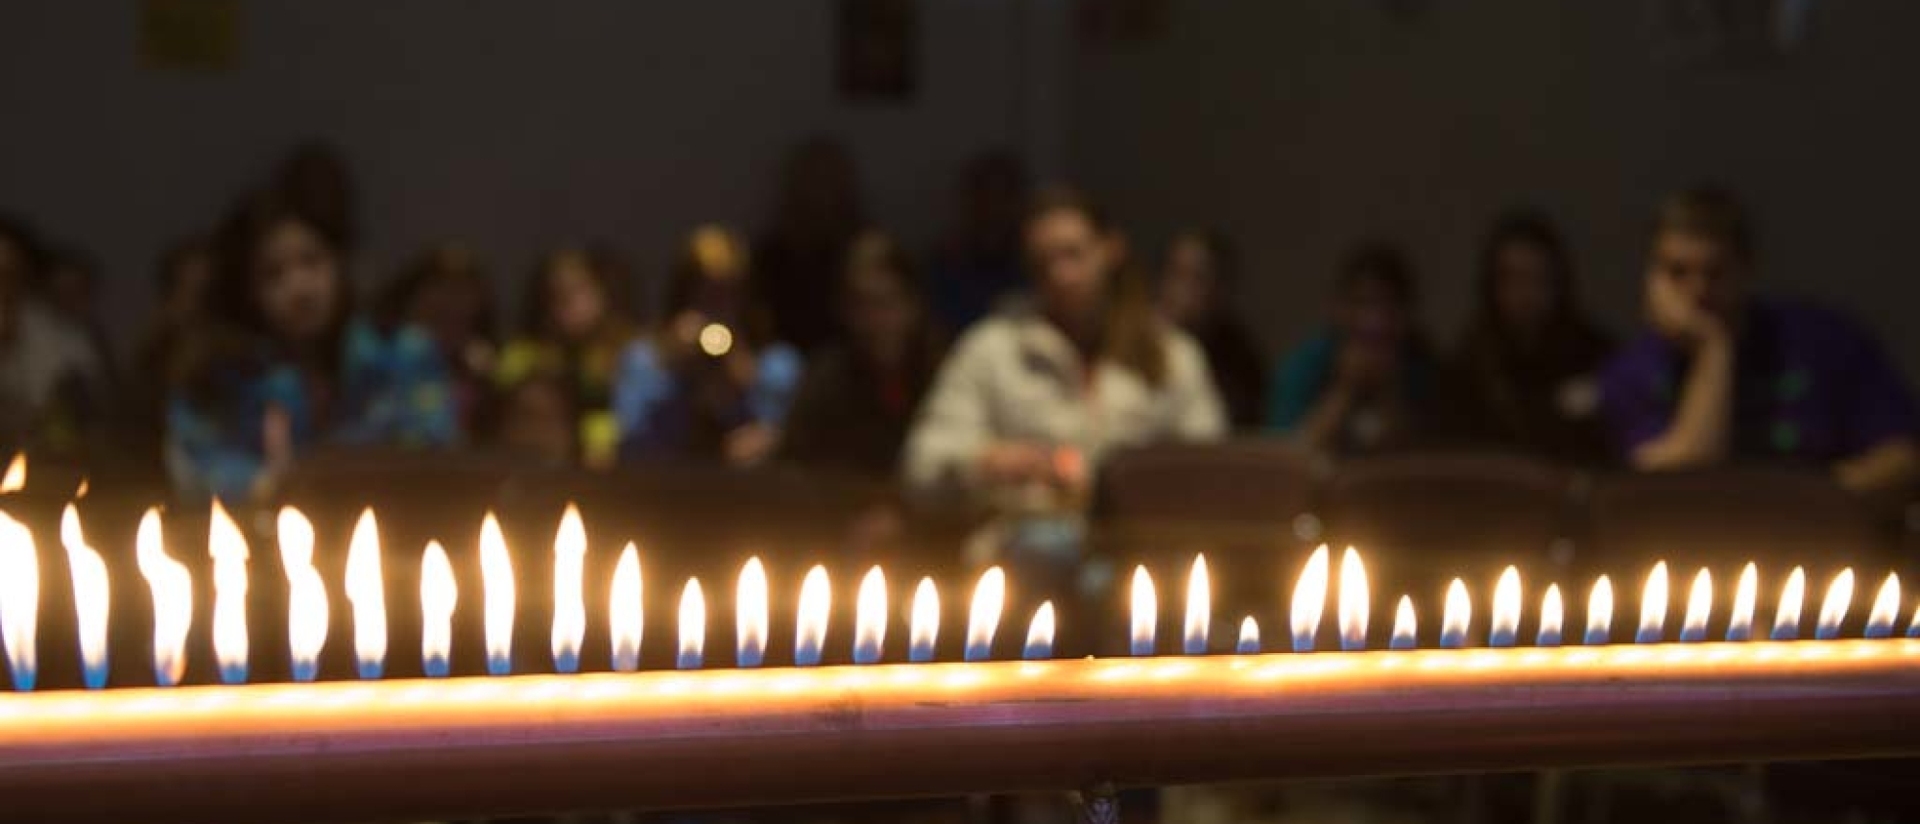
(284, 365)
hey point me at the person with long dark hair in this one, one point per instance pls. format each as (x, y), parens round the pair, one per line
(1033, 397)
(578, 321)
(859, 395)
(445, 293)
(282, 363)
(1524, 374)
(712, 382)
(1198, 275)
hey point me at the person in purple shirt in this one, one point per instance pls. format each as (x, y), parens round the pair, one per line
(1725, 376)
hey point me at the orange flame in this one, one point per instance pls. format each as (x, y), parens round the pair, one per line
(693, 625)
(1699, 607)
(810, 626)
(1833, 610)
(19, 599)
(1040, 633)
(90, 599)
(1653, 605)
(870, 618)
(1354, 601)
(569, 583)
(1309, 600)
(1199, 608)
(1506, 609)
(1740, 623)
(229, 550)
(1145, 612)
(750, 614)
(626, 615)
(1786, 617)
(15, 478)
(1249, 636)
(1550, 617)
(1886, 608)
(1600, 612)
(172, 588)
(1405, 627)
(983, 620)
(924, 630)
(367, 593)
(496, 584)
(1457, 619)
(307, 609)
(438, 593)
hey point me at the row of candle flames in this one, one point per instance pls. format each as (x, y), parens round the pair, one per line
(172, 590)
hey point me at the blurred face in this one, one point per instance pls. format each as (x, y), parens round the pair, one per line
(1523, 285)
(1700, 270)
(189, 285)
(575, 302)
(881, 315)
(1187, 286)
(1372, 310)
(1072, 260)
(296, 281)
(450, 307)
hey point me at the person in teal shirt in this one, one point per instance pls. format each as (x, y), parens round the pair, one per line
(283, 365)
(1364, 383)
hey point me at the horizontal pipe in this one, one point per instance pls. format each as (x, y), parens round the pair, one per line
(420, 749)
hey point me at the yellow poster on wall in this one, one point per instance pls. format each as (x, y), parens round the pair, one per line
(190, 35)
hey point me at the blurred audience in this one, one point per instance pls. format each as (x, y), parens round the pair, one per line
(282, 363)
(1524, 375)
(1365, 382)
(712, 382)
(182, 277)
(577, 323)
(977, 264)
(55, 389)
(853, 407)
(1722, 375)
(816, 214)
(447, 294)
(1033, 396)
(1198, 276)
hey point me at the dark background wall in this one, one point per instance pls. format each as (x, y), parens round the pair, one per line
(1297, 126)
(1294, 126)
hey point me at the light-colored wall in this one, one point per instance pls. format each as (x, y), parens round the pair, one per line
(1298, 126)
(509, 126)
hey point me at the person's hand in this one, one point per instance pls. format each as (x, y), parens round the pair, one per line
(1015, 461)
(1677, 315)
(1363, 365)
(750, 444)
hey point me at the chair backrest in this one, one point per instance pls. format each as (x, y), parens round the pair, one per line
(1734, 515)
(1420, 519)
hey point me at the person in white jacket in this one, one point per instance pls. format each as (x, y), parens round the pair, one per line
(1033, 396)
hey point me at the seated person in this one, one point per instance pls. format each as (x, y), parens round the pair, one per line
(1032, 397)
(1722, 375)
(445, 293)
(282, 363)
(858, 395)
(711, 383)
(1526, 373)
(1197, 280)
(1364, 383)
(577, 324)
(54, 384)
